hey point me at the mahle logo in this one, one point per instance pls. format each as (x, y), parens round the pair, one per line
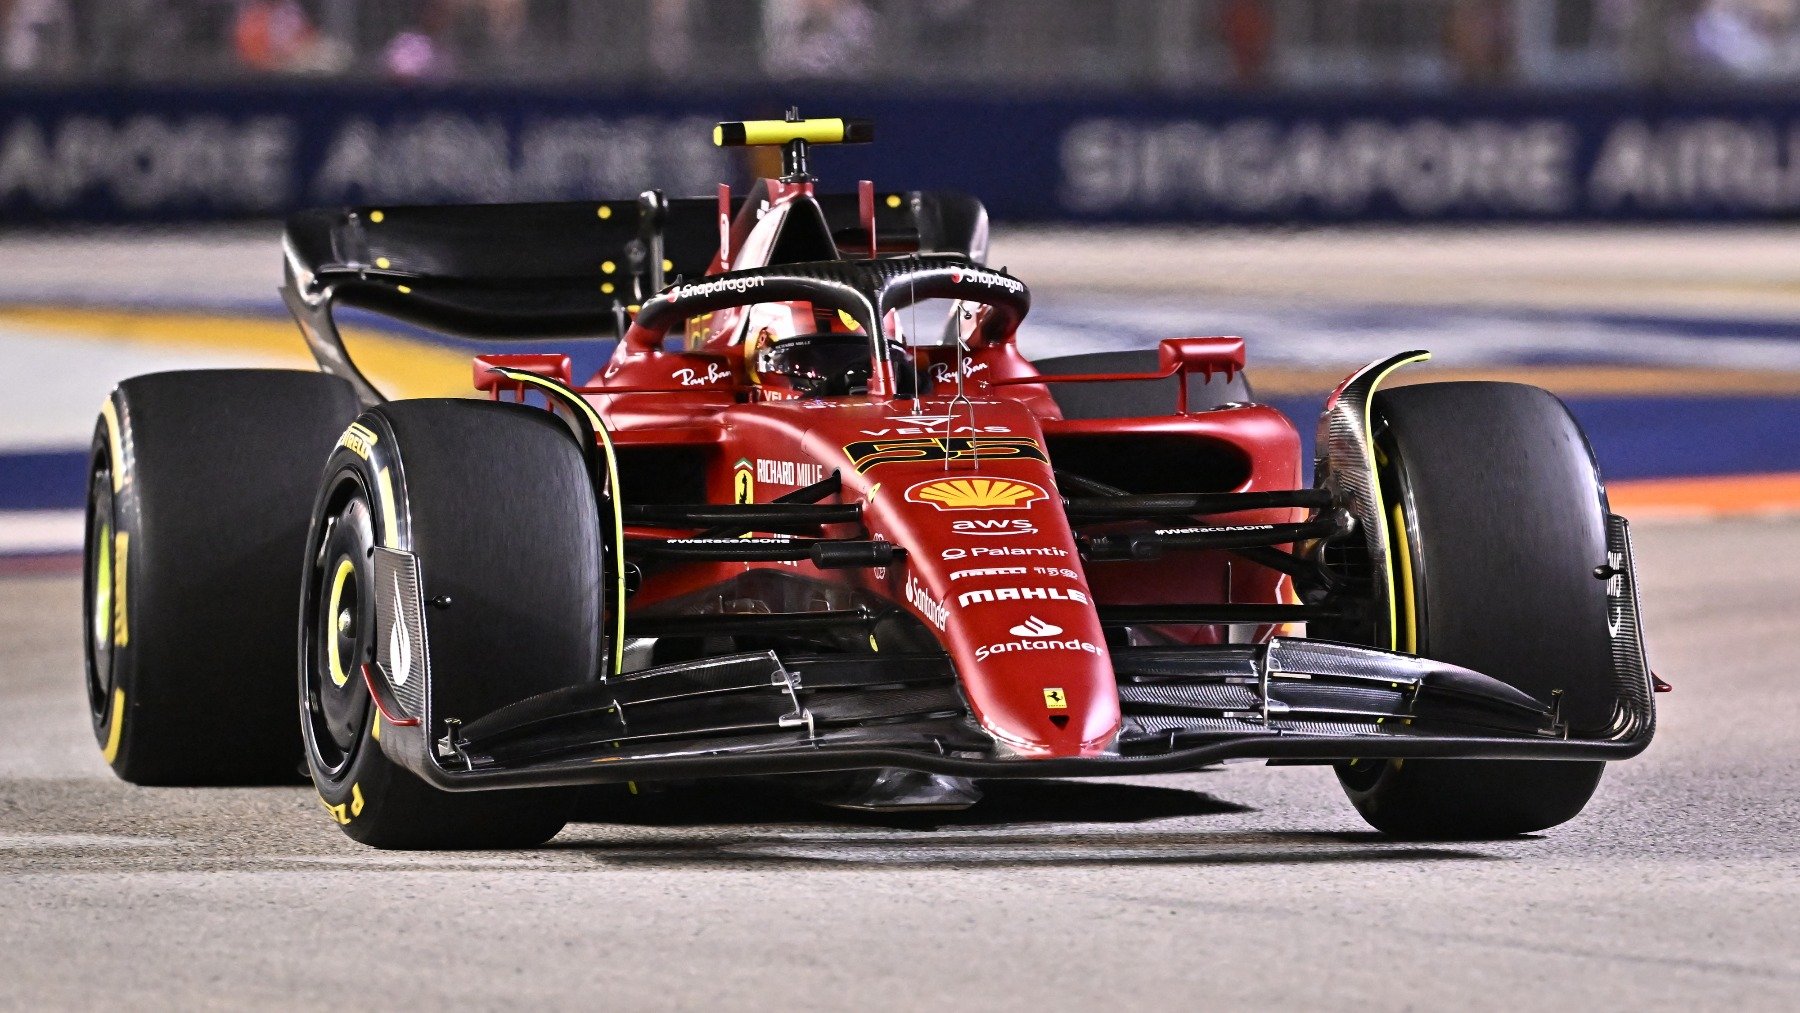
(976, 494)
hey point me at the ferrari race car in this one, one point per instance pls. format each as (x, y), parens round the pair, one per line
(821, 520)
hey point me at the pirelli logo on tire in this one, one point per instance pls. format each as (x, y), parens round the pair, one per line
(360, 440)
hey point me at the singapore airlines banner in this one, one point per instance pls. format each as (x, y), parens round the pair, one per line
(184, 154)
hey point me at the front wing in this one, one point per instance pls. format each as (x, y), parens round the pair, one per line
(1289, 700)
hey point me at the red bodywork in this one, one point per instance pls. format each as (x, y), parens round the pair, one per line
(965, 485)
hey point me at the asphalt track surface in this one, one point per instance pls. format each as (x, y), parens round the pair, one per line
(1244, 887)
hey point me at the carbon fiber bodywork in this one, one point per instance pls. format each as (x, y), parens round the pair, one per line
(1345, 465)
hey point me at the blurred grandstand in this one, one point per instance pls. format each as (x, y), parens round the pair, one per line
(1118, 45)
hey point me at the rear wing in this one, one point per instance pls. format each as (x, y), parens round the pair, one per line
(514, 271)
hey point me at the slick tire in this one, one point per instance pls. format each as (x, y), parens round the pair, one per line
(1504, 522)
(1130, 399)
(495, 502)
(198, 493)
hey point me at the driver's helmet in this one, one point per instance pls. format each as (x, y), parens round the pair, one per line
(826, 364)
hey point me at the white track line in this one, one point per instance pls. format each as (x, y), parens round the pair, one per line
(30, 532)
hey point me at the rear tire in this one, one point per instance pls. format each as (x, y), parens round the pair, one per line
(1504, 522)
(197, 511)
(496, 503)
(1131, 399)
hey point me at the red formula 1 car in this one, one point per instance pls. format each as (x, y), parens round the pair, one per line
(821, 519)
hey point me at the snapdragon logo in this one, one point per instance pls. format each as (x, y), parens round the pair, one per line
(705, 288)
(987, 278)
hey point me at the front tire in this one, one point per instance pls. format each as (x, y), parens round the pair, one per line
(1498, 519)
(496, 503)
(197, 511)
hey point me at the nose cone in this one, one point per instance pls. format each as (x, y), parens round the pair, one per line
(1043, 684)
(993, 566)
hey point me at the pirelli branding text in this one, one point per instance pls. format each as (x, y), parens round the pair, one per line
(359, 439)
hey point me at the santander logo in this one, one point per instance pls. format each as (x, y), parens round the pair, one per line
(1035, 627)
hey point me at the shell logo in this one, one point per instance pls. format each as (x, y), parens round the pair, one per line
(976, 494)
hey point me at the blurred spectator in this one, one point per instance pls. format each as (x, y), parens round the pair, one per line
(1479, 39)
(1249, 35)
(817, 38)
(1748, 38)
(39, 36)
(273, 35)
(443, 38)
(671, 36)
(422, 49)
(490, 35)
(1253, 44)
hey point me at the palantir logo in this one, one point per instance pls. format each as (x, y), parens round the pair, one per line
(1035, 627)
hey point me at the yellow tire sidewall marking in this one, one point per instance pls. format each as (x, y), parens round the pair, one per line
(121, 560)
(339, 677)
(1406, 599)
(103, 588)
(115, 447)
(116, 727)
(390, 523)
(344, 812)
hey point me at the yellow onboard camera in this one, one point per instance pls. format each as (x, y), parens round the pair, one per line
(793, 134)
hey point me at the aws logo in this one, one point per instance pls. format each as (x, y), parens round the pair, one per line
(976, 494)
(994, 526)
(866, 454)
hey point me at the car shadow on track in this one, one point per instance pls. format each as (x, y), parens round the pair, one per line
(1004, 803)
(1019, 823)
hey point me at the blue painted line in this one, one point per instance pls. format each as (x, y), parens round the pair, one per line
(1667, 437)
(43, 480)
(1660, 436)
